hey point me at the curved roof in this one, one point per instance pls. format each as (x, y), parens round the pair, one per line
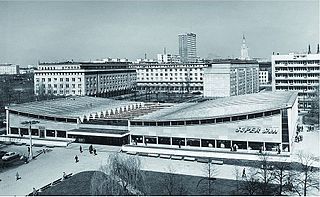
(227, 106)
(71, 106)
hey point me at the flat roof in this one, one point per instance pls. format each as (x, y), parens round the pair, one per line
(227, 106)
(72, 107)
(98, 130)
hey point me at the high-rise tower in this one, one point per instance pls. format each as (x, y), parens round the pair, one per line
(187, 47)
(244, 50)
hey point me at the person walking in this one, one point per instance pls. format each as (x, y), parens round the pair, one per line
(94, 151)
(244, 173)
(17, 176)
(90, 149)
(81, 149)
(76, 158)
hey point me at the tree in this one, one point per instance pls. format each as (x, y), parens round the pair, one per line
(173, 184)
(250, 184)
(282, 176)
(265, 174)
(308, 177)
(102, 184)
(210, 172)
(259, 180)
(125, 176)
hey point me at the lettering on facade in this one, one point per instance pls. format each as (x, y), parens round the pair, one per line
(257, 130)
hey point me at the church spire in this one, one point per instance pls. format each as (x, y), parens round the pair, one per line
(318, 50)
(244, 49)
(309, 49)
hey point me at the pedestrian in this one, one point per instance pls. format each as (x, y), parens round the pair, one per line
(64, 175)
(90, 149)
(81, 149)
(76, 158)
(94, 151)
(28, 149)
(244, 173)
(44, 151)
(17, 176)
(34, 192)
(279, 151)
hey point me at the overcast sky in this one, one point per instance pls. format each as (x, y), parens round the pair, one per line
(62, 30)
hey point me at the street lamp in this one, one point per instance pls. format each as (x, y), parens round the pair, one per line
(31, 122)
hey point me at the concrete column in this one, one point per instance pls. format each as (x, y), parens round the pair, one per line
(7, 123)
(264, 146)
(157, 140)
(143, 140)
(170, 140)
(55, 133)
(200, 143)
(247, 145)
(185, 140)
(215, 143)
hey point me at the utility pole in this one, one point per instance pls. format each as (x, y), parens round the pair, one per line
(31, 122)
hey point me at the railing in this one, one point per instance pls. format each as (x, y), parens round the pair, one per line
(36, 192)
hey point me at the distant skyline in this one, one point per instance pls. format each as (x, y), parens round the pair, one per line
(65, 30)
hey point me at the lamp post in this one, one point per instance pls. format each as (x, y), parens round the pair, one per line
(31, 122)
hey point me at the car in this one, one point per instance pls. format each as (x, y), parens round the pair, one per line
(2, 153)
(10, 156)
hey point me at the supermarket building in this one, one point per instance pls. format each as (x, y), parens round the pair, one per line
(254, 121)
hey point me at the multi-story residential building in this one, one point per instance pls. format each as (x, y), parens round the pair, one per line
(265, 71)
(230, 78)
(297, 72)
(99, 78)
(188, 47)
(173, 77)
(9, 69)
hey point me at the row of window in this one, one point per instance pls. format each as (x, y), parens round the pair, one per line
(298, 62)
(56, 79)
(205, 121)
(60, 85)
(71, 120)
(38, 132)
(171, 78)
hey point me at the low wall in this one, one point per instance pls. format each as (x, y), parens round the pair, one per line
(35, 141)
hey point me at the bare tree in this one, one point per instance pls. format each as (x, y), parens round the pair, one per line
(283, 176)
(308, 177)
(210, 172)
(102, 184)
(265, 174)
(173, 184)
(124, 176)
(250, 184)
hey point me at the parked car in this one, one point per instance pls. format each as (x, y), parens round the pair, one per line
(10, 156)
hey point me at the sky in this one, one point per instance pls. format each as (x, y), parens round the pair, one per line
(32, 31)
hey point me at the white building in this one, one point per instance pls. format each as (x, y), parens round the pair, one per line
(9, 69)
(264, 121)
(168, 58)
(188, 47)
(173, 77)
(231, 77)
(298, 72)
(107, 78)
